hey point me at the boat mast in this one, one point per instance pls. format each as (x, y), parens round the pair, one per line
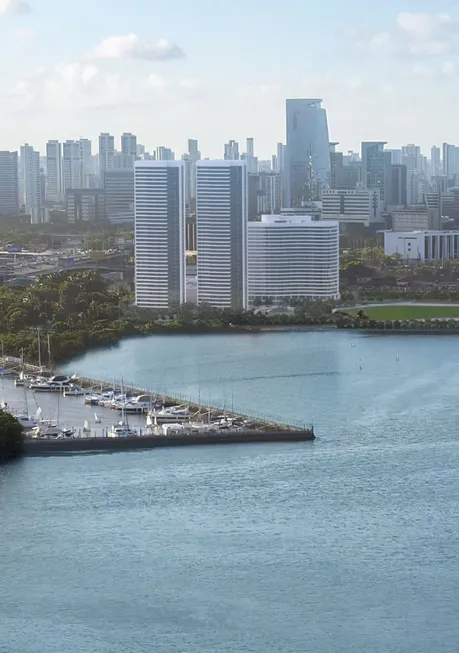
(39, 348)
(49, 351)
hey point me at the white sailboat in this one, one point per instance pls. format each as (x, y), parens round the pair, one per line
(97, 419)
(122, 428)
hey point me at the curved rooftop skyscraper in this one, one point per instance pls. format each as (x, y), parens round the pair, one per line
(308, 158)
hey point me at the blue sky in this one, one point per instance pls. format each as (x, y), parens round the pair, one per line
(169, 70)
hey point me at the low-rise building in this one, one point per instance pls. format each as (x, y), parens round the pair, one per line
(422, 245)
(85, 205)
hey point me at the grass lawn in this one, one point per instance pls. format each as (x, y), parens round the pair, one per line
(408, 312)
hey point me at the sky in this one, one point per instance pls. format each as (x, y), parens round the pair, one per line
(169, 70)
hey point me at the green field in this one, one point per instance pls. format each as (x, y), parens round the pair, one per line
(408, 312)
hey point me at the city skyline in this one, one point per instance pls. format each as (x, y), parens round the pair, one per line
(374, 69)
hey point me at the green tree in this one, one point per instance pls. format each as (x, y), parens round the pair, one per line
(11, 437)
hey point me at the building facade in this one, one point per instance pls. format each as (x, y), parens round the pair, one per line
(292, 257)
(30, 183)
(221, 219)
(119, 195)
(129, 145)
(359, 206)
(159, 194)
(106, 154)
(85, 205)
(399, 186)
(414, 220)
(9, 188)
(376, 169)
(307, 152)
(53, 171)
(422, 245)
(72, 166)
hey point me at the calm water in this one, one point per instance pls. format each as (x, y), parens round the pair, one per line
(345, 545)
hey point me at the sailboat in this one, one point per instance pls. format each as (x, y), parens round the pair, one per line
(86, 427)
(122, 429)
(97, 419)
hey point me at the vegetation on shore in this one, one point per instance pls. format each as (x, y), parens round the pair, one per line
(409, 312)
(11, 438)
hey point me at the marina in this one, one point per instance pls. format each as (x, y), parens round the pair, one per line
(62, 414)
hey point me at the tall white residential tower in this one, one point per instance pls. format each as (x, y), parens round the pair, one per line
(221, 223)
(53, 171)
(159, 196)
(30, 182)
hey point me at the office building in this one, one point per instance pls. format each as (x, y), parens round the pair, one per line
(87, 163)
(449, 160)
(9, 188)
(129, 145)
(72, 165)
(106, 154)
(292, 257)
(399, 187)
(123, 161)
(159, 192)
(221, 218)
(54, 171)
(231, 151)
(422, 245)
(119, 195)
(376, 169)
(358, 206)
(307, 152)
(30, 183)
(85, 205)
(435, 162)
(414, 219)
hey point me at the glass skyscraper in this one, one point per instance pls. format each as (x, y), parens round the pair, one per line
(307, 153)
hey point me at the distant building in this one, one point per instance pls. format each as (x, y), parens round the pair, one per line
(292, 257)
(106, 153)
(54, 171)
(422, 245)
(231, 151)
(398, 195)
(410, 220)
(264, 193)
(376, 169)
(159, 191)
(72, 166)
(359, 206)
(9, 188)
(30, 183)
(129, 145)
(85, 205)
(221, 219)
(119, 195)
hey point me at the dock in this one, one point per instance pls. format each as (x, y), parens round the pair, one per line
(73, 412)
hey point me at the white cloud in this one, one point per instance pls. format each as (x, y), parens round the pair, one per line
(14, 7)
(25, 34)
(414, 34)
(131, 46)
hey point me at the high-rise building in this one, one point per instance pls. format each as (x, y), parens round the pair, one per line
(72, 165)
(193, 156)
(307, 154)
(9, 189)
(54, 171)
(252, 161)
(221, 218)
(164, 154)
(399, 187)
(159, 191)
(376, 168)
(123, 161)
(119, 195)
(31, 183)
(292, 256)
(449, 159)
(231, 151)
(129, 144)
(264, 193)
(87, 163)
(193, 149)
(85, 205)
(435, 161)
(140, 150)
(358, 206)
(106, 154)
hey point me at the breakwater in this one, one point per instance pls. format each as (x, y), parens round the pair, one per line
(42, 447)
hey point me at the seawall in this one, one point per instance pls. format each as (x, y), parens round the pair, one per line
(42, 447)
